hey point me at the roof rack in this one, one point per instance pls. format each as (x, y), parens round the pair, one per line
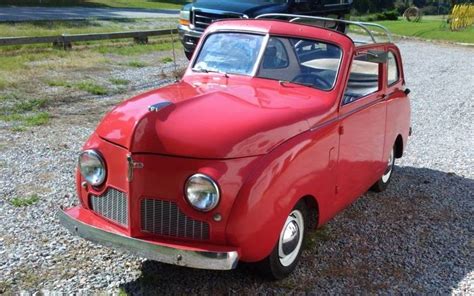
(363, 25)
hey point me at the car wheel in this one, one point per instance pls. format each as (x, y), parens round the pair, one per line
(383, 182)
(287, 251)
(188, 54)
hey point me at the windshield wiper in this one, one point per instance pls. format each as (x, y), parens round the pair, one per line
(203, 70)
(283, 82)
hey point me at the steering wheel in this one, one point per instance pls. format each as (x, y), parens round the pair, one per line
(312, 79)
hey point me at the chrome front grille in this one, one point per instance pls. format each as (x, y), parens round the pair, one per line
(202, 20)
(162, 217)
(112, 205)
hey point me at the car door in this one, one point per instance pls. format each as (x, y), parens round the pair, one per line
(362, 116)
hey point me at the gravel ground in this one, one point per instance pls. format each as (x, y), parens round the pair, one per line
(415, 238)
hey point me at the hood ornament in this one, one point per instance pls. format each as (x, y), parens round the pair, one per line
(159, 106)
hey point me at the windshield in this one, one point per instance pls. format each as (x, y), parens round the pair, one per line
(233, 53)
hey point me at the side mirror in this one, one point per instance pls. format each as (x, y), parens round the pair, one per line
(377, 56)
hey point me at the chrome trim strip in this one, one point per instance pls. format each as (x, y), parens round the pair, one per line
(195, 259)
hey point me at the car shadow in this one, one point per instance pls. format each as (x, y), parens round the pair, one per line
(416, 237)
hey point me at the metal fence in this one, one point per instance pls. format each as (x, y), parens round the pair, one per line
(65, 41)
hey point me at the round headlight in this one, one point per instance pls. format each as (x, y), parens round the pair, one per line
(92, 167)
(202, 192)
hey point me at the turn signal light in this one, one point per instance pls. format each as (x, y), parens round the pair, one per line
(184, 22)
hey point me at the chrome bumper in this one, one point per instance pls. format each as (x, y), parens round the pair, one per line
(165, 254)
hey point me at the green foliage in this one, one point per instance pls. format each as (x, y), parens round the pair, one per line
(389, 15)
(166, 60)
(313, 237)
(24, 201)
(92, 88)
(363, 7)
(87, 86)
(136, 64)
(118, 81)
(37, 119)
(430, 29)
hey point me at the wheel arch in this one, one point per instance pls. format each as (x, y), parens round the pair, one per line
(312, 207)
(399, 146)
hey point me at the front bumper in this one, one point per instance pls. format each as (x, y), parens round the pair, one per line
(189, 37)
(82, 223)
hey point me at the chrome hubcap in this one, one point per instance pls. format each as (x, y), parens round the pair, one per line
(291, 238)
(388, 171)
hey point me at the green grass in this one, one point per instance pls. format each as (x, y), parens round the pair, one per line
(24, 201)
(117, 81)
(37, 119)
(92, 88)
(48, 28)
(87, 86)
(150, 4)
(136, 64)
(138, 49)
(27, 112)
(20, 105)
(429, 29)
(320, 234)
(166, 60)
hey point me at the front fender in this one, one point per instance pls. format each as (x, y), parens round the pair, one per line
(278, 182)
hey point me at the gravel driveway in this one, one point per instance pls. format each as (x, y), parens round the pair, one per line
(415, 238)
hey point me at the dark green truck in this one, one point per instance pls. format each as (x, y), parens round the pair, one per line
(195, 17)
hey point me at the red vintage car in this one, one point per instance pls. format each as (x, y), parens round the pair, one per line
(276, 126)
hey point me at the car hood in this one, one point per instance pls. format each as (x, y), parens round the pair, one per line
(248, 7)
(212, 118)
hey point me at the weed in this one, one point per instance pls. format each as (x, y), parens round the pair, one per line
(312, 237)
(3, 84)
(91, 88)
(136, 64)
(37, 119)
(19, 129)
(166, 60)
(24, 201)
(4, 287)
(29, 105)
(118, 81)
(131, 49)
(59, 83)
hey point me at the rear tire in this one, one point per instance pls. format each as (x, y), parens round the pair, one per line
(287, 251)
(383, 182)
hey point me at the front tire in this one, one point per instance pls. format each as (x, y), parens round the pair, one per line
(188, 54)
(287, 251)
(383, 182)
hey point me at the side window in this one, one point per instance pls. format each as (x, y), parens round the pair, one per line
(364, 79)
(275, 56)
(393, 73)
